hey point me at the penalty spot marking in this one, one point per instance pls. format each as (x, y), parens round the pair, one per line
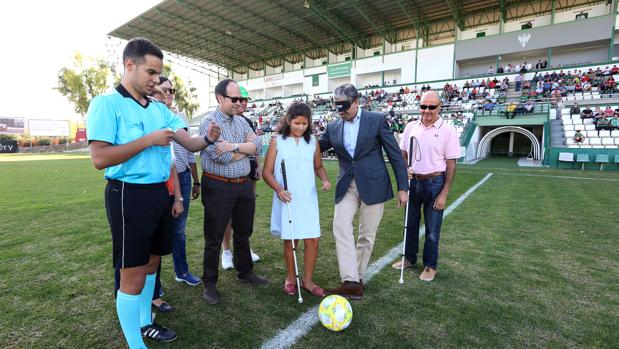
(301, 326)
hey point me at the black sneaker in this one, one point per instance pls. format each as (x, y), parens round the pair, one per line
(158, 333)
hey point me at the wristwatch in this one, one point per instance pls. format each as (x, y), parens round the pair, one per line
(179, 199)
(236, 148)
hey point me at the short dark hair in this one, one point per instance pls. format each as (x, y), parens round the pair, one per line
(163, 79)
(139, 47)
(348, 91)
(222, 86)
(294, 110)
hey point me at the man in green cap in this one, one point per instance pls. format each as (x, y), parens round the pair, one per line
(254, 175)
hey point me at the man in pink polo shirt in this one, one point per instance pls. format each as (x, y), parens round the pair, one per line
(436, 148)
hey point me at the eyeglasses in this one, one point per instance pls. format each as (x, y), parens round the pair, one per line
(431, 107)
(169, 90)
(236, 99)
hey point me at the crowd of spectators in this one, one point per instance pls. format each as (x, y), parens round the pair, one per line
(607, 119)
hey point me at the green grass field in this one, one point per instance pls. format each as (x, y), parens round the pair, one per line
(530, 259)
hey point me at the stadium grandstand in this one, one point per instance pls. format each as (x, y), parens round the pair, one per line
(511, 73)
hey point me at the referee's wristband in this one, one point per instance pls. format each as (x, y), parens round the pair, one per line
(196, 183)
(208, 142)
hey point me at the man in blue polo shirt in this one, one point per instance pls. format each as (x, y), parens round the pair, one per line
(130, 138)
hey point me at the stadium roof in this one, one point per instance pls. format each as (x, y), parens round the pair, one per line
(249, 34)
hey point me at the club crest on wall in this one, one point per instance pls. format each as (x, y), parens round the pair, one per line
(523, 39)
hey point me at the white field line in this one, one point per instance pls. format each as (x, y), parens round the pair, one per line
(546, 176)
(301, 326)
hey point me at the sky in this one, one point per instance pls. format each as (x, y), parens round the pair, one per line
(38, 38)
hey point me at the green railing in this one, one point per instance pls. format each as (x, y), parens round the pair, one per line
(500, 110)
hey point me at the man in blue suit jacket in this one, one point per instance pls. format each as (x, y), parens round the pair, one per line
(359, 138)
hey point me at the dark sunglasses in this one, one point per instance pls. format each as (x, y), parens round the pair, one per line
(236, 99)
(342, 106)
(431, 107)
(169, 90)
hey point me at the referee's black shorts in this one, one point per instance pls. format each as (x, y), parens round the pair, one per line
(140, 217)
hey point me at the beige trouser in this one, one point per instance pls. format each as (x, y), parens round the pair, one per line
(353, 261)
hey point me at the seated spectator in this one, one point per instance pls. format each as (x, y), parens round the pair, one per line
(510, 110)
(608, 112)
(500, 70)
(587, 113)
(603, 123)
(597, 113)
(607, 71)
(614, 69)
(520, 110)
(611, 83)
(526, 85)
(578, 87)
(579, 137)
(529, 107)
(490, 70)
(575, 109)
(544, 64)
(488, 106)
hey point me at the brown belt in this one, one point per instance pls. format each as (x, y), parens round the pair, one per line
(427, 176)
(240, 180)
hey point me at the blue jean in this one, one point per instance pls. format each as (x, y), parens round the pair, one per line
(179, 254)
(423, 193)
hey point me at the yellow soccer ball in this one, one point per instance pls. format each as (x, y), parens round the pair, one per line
(335, 313)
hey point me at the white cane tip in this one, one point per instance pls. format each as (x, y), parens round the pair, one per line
(300, 300)
(401, 281)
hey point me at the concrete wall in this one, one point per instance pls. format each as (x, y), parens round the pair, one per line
(580, 56)
(584, 31)
(435, 63)
(472, 33)
(593, 11)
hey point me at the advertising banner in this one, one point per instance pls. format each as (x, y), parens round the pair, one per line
(338, 70)
(11, 126)
(8, 146)
(80, 135)
(49, 127)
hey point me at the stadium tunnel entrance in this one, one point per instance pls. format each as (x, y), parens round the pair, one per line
(511, 141)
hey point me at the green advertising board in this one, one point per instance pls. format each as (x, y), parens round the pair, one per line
(337, 70)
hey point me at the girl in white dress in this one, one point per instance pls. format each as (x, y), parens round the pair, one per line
(301, 153)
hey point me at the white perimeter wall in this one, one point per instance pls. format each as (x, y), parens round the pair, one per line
(435, 63)
(517, 25)
(472, 33)
(593, 11)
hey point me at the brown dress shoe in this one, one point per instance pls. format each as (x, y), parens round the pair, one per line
(349, 289)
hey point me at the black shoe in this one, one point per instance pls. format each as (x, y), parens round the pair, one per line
(164, 307)
(253, 279)
(210, 295)
(158, 333)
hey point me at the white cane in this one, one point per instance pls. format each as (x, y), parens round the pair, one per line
(294, 249)
(410, 157)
